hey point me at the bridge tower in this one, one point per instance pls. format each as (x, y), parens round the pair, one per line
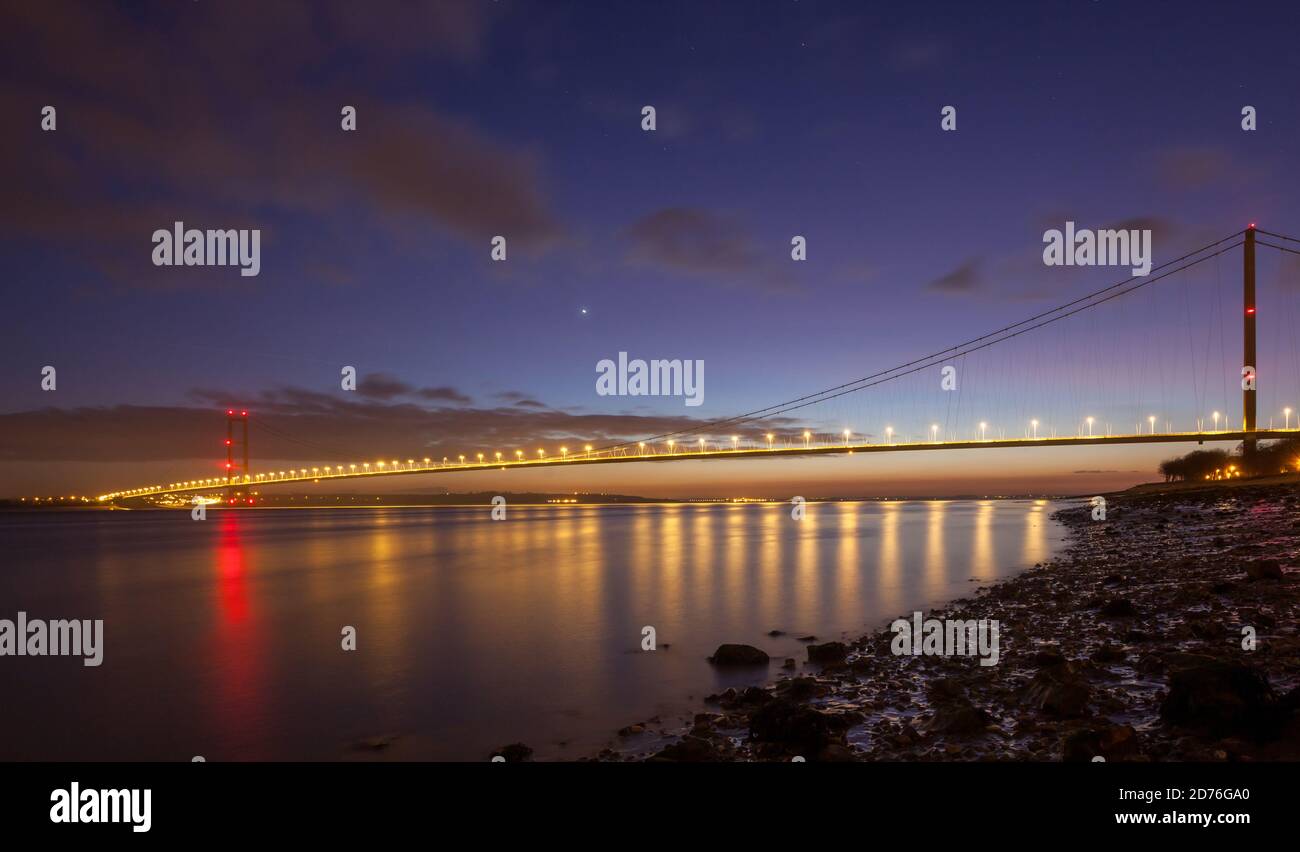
(236, 464)
(1248, 393)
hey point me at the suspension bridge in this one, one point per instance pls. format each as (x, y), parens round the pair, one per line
(773, 431)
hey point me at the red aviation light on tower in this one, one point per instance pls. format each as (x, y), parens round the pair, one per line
(243, 414)
(230, 412)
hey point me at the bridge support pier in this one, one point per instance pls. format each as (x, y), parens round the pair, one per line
(236, 472)
(1248, 392)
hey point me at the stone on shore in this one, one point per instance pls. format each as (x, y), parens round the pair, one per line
(1220, 698)
(1264, 569)
(514, 753)
(792, 725)
(739, 655)
(828, 652)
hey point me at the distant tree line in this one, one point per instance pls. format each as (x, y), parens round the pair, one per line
(1270, 458)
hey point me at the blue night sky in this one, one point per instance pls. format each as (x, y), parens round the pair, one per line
(774, 119)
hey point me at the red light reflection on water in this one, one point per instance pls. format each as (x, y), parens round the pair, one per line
(233, 583)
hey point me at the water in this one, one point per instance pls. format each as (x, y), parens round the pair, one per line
(223, 637)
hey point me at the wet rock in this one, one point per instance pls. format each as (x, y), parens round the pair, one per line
(739, 655)
(1221, 698)
(1264, 569)
(946, 689)
(793, 725)
(1118, 608)
(958, 718)
(776, 633)
(1047, 657)
(631, 730)
(829, 652)
(800, 689)
(754, 695)
(1109, 654)
(688, 749)
(836, 753)
(1113, 742)
(515, 753)
(807, 638)
(1058, 691)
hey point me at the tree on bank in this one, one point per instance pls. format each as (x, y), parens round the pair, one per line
(1271, 458)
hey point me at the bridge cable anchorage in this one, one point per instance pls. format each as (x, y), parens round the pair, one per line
(952, 351)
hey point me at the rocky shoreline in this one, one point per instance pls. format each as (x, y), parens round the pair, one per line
(1133, 644)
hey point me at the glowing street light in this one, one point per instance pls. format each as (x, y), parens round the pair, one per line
(847, 433)
(1287, 412)
(934, 432)
(564, 453)
(587, 449)
(670, 445)
(735, 442)
(701, 445)
(769, 440)
(983, 426)
(519, 455)
(889, 434)
(1152, 420)
(480, 458)
(1090, 419)
(1216, 421)
(641, 444)
(1034, 423)
(807, 436)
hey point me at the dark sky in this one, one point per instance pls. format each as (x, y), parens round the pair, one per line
(524, 119)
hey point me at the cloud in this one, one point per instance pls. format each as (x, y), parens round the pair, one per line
(964, 279)
(382, 386)
(290, 423)
(702, 243)
(138, 148)
(1192, 167)
(444, 394)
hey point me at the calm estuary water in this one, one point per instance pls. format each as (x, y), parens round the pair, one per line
(222, 637)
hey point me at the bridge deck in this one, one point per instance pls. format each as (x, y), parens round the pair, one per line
(606, 457)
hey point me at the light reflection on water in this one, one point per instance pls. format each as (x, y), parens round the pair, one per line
(223, 638)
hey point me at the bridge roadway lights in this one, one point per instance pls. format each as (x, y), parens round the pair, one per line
(239, 490)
